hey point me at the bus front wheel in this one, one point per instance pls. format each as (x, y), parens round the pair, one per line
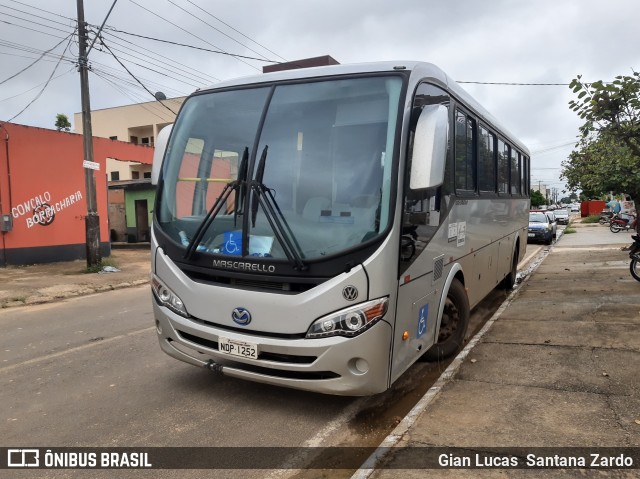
(454, 324)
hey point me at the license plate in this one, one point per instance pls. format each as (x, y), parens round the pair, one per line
(237, 348)
(531, 235)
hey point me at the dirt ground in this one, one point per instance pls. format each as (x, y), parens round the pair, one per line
(42, 283)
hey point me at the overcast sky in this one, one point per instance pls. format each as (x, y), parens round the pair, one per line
(508, 41)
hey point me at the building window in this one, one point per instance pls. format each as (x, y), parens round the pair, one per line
(144, 141)
(113, 137)
(134, 140)
(135, 175)
(115, 175)
(146, 174)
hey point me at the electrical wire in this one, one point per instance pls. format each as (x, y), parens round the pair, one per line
(46, 83)
(216, 29)
(134, 77)
(34, 62)
(34, 15)
(200, 74)
(221, 51)
(38, 85)
(164, 73)
(43, 10)
(133, 97)
(35, 23)
(238, 32)
(183, 75)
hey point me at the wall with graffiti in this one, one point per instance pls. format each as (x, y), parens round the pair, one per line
(42, 192)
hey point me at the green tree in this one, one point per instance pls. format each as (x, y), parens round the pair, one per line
(537, 199)
(62, 122)
(607, 156)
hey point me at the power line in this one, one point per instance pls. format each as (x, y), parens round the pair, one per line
(43, 10)
(216, 29)
(237, 57)
(202, 75)
(184, 73)
(239, 32)
(46, 83)
(184, 80)
(134, 77)
(133, 97)
(33, 88)
(33, 63)
(35, 23)
(221, 52)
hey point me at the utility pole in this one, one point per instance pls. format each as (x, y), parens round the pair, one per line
(92, 220)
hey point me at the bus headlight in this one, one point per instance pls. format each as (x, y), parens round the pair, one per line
(167, 298)
(351, 321)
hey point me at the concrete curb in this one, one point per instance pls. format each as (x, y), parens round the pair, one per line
(82, 291)
(395, 438)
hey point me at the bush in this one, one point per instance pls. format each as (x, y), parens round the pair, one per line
(591, 219)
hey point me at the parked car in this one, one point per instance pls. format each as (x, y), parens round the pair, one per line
(575, 207)
(541, 228)
(562, 216)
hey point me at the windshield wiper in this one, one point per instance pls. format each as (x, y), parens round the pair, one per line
(239, 186)
(263, 196)
(241, 191)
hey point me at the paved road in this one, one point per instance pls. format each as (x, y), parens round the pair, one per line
(89, 372)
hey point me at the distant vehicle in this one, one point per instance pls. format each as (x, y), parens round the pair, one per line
(562, 216)
(575, 207)
(541, 228)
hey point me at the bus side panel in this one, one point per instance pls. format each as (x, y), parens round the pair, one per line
(417, 312)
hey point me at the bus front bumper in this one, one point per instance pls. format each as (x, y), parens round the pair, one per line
(357, 366)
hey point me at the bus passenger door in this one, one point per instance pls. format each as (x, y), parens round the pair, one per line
(420, 282)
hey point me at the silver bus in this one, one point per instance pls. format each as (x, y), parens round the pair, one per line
(324, 228)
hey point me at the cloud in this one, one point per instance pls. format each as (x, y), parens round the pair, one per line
(543, 41)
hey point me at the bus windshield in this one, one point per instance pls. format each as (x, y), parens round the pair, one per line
(321, 152)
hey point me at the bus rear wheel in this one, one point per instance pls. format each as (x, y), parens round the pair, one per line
(509, 281)
(454, 324)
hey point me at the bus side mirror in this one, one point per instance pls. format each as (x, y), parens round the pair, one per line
(430, 147)
(158, 154)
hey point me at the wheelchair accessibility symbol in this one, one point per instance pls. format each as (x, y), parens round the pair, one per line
(232, 243)
(422, 320)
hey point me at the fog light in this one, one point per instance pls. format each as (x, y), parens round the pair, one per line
(158, 327)
(358, 366)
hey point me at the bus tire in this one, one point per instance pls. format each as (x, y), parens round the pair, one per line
(454, 324)
(509, 281)
(635, 269)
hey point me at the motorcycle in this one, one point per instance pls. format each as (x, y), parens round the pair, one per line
(619, 224)
(605, 217)
(634, 254)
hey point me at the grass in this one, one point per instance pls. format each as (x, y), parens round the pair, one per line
(591, 219)
(568, 230)
(98, 267)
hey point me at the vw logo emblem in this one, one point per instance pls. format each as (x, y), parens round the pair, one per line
(350, 293)
(241, 316)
